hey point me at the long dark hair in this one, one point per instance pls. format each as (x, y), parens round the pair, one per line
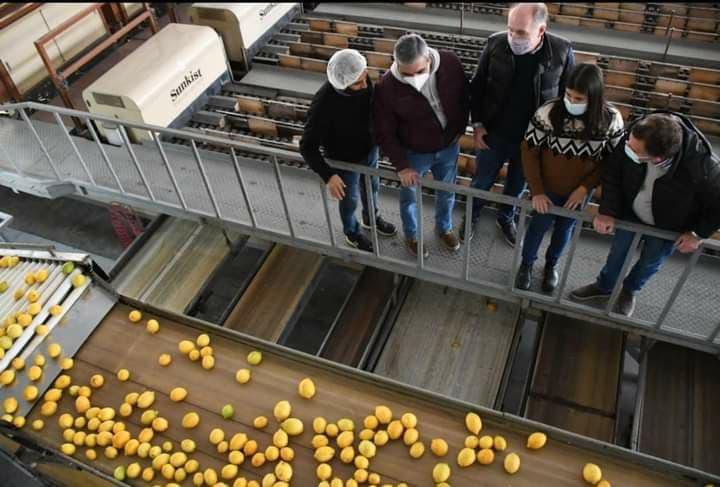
(588, 79)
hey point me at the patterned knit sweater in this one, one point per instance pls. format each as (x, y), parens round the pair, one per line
(559, 163)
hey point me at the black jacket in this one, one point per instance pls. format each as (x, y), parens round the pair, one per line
(686, 198)
(341, 124)
(494, 74)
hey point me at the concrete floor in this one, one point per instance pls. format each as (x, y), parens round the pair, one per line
(67, 223)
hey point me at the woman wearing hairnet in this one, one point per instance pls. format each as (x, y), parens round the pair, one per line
(339, 120)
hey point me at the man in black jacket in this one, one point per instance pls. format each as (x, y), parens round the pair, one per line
(662, 173)
(519, 70)
(339, 120)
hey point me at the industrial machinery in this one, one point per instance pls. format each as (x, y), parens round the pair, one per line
(244, 27)
(161, 82)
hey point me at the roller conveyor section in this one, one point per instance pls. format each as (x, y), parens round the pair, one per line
(634, 85)
(678, 414)
(633, 44)
(179, 251)
(44, 320)
(576, 378)
(464, 343)
(341, 393)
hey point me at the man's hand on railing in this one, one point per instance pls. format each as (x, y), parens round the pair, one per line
(576, 198)
(336, 187)
(541, 203)
(409, 177)
(687, 242)
(604, 224)
(479, 134)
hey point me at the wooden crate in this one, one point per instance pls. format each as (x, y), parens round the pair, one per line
(707, 76)
(705, 92)
(677, 88)
(606, 11)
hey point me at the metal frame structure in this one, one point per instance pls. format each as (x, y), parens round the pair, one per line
(507, 292)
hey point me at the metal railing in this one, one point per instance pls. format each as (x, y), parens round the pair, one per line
(465, 280)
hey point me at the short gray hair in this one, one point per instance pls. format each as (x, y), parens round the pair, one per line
(539, 11)
(409, 48)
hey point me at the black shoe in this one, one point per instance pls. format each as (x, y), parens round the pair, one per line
(461, 230)
(625, 303)
(384, 228)
(586, 293)
(412, 246)
(509, 230)
(359, 241)
(550, 278)
(523, 280)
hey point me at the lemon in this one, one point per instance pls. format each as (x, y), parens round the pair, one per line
(254, 358)
(499, 443)
(78, 280)
(34, 309)
(485, 456)
(473, 423)
(32, 295)
(439, 447)
(383, 414)
(190, 420)
(260, 422)
(67, 268)
(417, 450)
(178, 394)
(56, 310)
(165, 359)
(591, 473)
(292, 426)
(306, 388)
(485, 442)
(466, 457)
(123, 375)
(536, 441)
(135, 316)
(3, 286)
(243, 376)
(441, 472)
(152, 326)
(227, 411)
(282, 410)
(511, 463)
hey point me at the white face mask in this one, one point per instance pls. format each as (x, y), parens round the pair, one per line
(632, 155)
(419, 80)
(574, 109)
(520, 46)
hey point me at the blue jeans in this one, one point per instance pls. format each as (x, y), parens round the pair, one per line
(443, 165)
(654, 253)
(488, 165)
(354, 188)
(539, 225)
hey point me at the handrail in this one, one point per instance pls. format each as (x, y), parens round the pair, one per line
(463, 279)
(384, 173)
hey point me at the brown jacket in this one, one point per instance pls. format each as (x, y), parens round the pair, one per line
(559, 174)
(558, 163)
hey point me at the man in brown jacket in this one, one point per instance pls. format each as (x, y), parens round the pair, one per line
(421, 109)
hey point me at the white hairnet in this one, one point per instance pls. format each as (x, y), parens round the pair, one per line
(345, 68)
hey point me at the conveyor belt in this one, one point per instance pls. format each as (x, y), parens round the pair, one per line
(575, 384)
(464, 344)
(271, 298)
(679, 419)
(356, 327)
(174, 265)
(341, 393)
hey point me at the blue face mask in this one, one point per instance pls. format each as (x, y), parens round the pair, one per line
(632, 155)
(575, 109)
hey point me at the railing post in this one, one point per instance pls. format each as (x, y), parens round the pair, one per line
(243, 188)
(323, 192)
(166, 162)
(678, 287)
(569, 259)
(626, 265)
(371, 211)
(420, 238)
(278, 178)
(75, 149)
(128, 145)
(25, 117)
(105, 157)
(518, 246)
(468, 226)
(206, 180)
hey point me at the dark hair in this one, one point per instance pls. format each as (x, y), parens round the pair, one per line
(661, 134)
(588, 79)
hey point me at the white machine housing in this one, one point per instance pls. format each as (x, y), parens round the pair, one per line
(161, 82)
(244, 27)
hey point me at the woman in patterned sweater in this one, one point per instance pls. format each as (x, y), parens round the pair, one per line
(562, 155)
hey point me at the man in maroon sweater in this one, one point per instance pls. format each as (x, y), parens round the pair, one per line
(421, 109)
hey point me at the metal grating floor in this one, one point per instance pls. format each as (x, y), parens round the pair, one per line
(694, 315)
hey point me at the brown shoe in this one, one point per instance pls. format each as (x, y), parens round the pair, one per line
(450, 240)
(412, 246)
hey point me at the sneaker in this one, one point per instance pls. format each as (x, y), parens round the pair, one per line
(412, 246)
(509, 230)
(461, 230)
(586, 293)
(625, 303)
(384, 228)
(359, 241)
(523, 280)
(550, 278)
